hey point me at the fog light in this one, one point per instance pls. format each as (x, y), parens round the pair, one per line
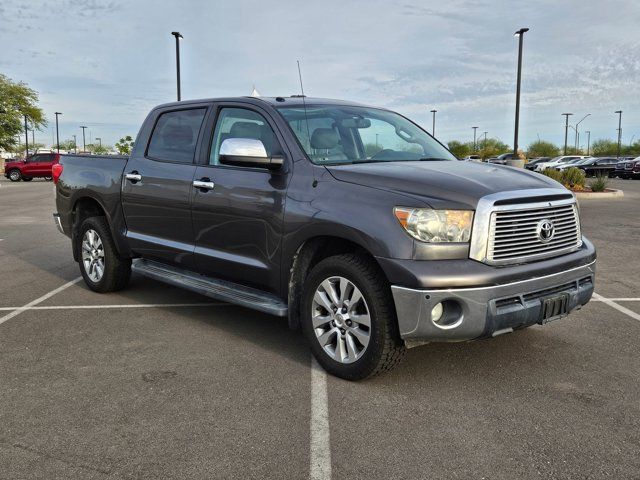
(436, 312)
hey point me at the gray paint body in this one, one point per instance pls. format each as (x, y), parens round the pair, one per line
(250, 226)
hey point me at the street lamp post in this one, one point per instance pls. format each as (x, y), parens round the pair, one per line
(485, 138)
(75, 144)
(178, 37)
(26, 138)
(619, 112)
(474, 138)
(57, 132)
(433, 128)
(577, 125)
(99, 141)
(588, 132)
(566, 130)
(84, 140)
(520, 34)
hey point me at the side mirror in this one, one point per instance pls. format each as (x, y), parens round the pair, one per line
(248, 152)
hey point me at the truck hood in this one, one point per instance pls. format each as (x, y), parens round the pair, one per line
(449, 184)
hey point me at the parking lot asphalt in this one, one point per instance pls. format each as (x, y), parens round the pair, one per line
(156, 382)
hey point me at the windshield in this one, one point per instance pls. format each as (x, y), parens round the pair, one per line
(334, 135)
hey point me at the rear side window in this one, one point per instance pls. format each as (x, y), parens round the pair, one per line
(175, 135)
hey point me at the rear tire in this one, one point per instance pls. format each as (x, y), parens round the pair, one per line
(343, 294)
(101, 267)
(15, 175)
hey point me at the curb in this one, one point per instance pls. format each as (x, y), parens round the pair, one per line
(609, 193)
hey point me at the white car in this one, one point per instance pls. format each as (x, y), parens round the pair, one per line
(557, 161)
(572, 163)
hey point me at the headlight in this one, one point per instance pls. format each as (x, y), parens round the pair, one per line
(436, 226)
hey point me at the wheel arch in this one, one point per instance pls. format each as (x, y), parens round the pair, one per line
(308, 254)
(85, 207)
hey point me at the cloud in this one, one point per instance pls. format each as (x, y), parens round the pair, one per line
(110, 61)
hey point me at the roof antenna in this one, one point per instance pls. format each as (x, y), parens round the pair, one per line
(306, 121)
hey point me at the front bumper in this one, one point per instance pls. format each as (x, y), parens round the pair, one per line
(58, 222)
(487, 311)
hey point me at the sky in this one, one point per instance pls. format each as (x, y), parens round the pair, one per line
(105, 64)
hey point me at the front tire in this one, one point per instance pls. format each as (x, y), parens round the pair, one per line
(349, 318)
(101, 267)
(15, 175)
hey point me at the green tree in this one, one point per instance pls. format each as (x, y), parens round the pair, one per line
(124, 145)
(16, 101)
(100, 149)
(67, 145)
(459, 149)
(491, 147)
(541, 148)
(604, 147)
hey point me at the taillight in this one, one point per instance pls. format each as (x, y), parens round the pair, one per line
(56, 171)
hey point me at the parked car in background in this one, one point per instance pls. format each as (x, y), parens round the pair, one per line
(635, 172)
(595, 167)
(554, 162)
(502, 159)
(253, 201)
(472, 158)
(625, 168)
(573, 163)
(531, 164)
(38, 165)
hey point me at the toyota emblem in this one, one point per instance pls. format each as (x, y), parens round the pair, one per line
(545, 230)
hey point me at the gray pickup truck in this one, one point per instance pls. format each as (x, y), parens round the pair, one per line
(351, 221)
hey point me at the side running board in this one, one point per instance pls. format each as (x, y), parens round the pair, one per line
(212, 287)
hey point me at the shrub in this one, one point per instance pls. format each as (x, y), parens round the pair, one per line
(572, 178)
(599, 184)
(554, 174)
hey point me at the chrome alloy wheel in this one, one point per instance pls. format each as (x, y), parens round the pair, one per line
(341, 320)
(14, 175)
(93, 255)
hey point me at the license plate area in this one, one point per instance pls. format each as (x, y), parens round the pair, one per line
(554, 308)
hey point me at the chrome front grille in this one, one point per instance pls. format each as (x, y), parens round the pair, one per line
(518, 233)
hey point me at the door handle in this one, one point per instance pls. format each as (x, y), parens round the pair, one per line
(133, 177)
(204, 184)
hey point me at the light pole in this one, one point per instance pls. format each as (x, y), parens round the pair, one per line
(84, 141)
(520, 34)
(57, 132)
(485, 138)
(566, 130)
(619, 112)
(474, 138)
(588, 132)
(75, 144)
(178, 37)
(99, 141)
(433, 128)
(577, 125)
(26, 138)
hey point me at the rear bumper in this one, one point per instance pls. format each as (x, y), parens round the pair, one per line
(487, 311)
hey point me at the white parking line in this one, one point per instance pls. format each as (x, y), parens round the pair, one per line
(19, 310)
(618, 299)
(620, 308)
(126, 305)
(320, 454)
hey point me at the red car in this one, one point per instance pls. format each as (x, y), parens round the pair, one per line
(38, 165)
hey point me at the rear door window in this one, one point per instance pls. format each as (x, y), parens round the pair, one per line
(175, 135)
